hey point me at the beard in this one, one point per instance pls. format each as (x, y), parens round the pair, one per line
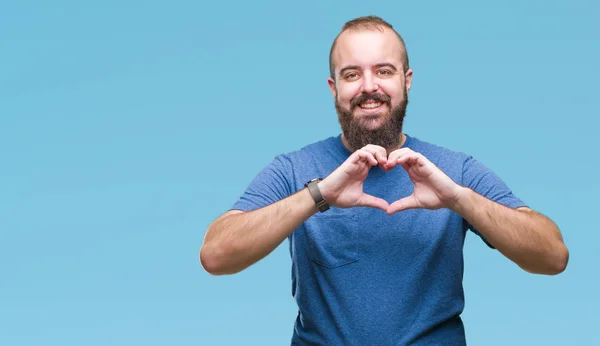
(358, 133)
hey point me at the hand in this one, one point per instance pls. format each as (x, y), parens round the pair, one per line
(433, 189)
(343, 188)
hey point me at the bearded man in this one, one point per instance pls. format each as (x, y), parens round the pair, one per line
(376, 219)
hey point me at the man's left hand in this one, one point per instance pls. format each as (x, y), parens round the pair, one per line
(433, 188)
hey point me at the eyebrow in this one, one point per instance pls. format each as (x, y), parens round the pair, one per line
(356, 67)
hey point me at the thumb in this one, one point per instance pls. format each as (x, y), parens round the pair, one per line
(403, 204)
(367, 200)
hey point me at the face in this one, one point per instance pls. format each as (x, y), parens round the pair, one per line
(370, 88)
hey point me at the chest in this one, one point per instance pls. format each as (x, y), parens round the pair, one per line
(345, 236)
(340, 237)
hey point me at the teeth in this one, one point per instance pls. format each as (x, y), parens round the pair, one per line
(370, 105)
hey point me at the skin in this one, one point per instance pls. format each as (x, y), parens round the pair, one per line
(369, 62)
(237, 239)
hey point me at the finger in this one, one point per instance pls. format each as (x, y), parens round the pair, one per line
(378, 152)
(389, 166)
(381, 158)
(367, 200)
(360, 155)
(367, 156)
(411, 159)
(403, 204)
(406, 166)
(395, 155)
(418, 162)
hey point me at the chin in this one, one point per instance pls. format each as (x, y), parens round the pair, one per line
(371, 121)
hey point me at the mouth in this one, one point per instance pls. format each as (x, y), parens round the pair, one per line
(371, 106)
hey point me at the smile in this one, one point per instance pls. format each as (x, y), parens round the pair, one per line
(370, 105)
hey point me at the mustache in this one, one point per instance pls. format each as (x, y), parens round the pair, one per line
(369, 97)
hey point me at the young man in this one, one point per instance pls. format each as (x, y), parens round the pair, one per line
(367, 271)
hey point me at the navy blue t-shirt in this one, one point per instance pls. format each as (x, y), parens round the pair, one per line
(362, 277)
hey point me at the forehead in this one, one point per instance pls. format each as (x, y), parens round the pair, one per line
(367, 47)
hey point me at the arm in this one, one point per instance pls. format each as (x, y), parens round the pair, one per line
(239, 239)
(526, 237)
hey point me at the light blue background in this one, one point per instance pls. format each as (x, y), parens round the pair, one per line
(127, 127)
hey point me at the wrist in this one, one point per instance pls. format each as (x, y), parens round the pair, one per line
(316, 194)
(461, 201)
(325, 190)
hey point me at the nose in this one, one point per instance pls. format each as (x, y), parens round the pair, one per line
(369, 84)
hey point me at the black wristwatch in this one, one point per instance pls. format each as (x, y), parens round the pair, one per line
(316, 194)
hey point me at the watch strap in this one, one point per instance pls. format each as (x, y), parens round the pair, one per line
(315, 192)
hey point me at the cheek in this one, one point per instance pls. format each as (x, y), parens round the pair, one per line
(347, 93)
(395, 93)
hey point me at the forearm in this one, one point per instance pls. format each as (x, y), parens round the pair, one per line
(529, 239)
(235, 242)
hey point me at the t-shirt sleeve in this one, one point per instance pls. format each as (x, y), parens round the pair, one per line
(482, 180)
(271, 184)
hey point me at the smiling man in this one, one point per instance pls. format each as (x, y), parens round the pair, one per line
(369, 67)
(376, 219)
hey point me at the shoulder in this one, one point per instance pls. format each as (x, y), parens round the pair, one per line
(326, 147)
(308, 155)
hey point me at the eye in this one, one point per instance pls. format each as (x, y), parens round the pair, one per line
(384, 72)
(351, 76)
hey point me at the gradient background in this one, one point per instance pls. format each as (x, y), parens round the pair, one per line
(127, 127)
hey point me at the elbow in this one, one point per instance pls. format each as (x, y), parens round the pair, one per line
(212, 254)
(207, 261)
(559, 256)
(214, 260)
(210, 260)
(561, 260)
(556, 263)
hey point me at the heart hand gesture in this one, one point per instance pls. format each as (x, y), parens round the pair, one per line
(344, 187)
(433, 188)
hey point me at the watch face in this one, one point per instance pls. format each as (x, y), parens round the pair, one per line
(312, 181)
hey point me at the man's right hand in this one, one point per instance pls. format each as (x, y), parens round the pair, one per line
(343, 188)
(238, 239)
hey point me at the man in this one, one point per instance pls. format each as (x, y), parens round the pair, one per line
(377, 245)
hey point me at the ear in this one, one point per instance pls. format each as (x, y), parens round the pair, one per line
(408, 79)
(332, 87)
